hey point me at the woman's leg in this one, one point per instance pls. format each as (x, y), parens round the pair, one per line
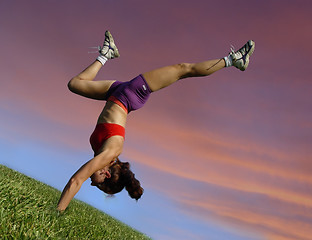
(163, 77)
(84, 85)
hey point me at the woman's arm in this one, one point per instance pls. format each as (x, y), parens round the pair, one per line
(73, 185)
(100, 161)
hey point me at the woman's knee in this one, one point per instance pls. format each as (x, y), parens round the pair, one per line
(72, 84)
(185, 69)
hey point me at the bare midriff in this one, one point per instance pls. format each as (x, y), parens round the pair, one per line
(113, 113)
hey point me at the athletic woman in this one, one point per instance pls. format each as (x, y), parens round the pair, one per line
(105, 170)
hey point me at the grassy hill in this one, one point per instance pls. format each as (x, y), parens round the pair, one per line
(28, 211)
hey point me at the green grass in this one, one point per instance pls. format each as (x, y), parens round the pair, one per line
(28, 211)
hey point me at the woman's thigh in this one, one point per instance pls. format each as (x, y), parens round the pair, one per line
(90, 89)
(165, 76)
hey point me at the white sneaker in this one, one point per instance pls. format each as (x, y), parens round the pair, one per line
(241, 57)
(109, 49)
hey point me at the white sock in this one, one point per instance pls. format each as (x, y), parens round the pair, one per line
(101, 59)
(228, 61)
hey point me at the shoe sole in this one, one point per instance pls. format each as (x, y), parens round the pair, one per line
(251, 51)
(251, 42)
(112, 43)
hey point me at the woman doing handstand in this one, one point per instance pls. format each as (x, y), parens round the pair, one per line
(106, 171)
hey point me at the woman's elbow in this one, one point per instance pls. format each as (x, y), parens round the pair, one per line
(75, 182)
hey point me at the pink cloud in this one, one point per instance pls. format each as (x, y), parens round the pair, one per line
(268, 224)
(232, 209)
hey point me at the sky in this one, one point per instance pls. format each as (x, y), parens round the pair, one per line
(221, 157)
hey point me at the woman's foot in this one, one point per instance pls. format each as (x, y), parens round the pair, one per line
(109, 49)
(240, 58)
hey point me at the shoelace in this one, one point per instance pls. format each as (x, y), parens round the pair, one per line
(232, 52)
(232, 49)
(242, 51)
(98, 49)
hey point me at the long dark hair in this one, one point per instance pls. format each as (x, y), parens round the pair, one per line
(122, 177)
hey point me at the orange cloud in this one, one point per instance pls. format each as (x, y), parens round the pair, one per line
(267, 223)
(254, 216)
(252, 169)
